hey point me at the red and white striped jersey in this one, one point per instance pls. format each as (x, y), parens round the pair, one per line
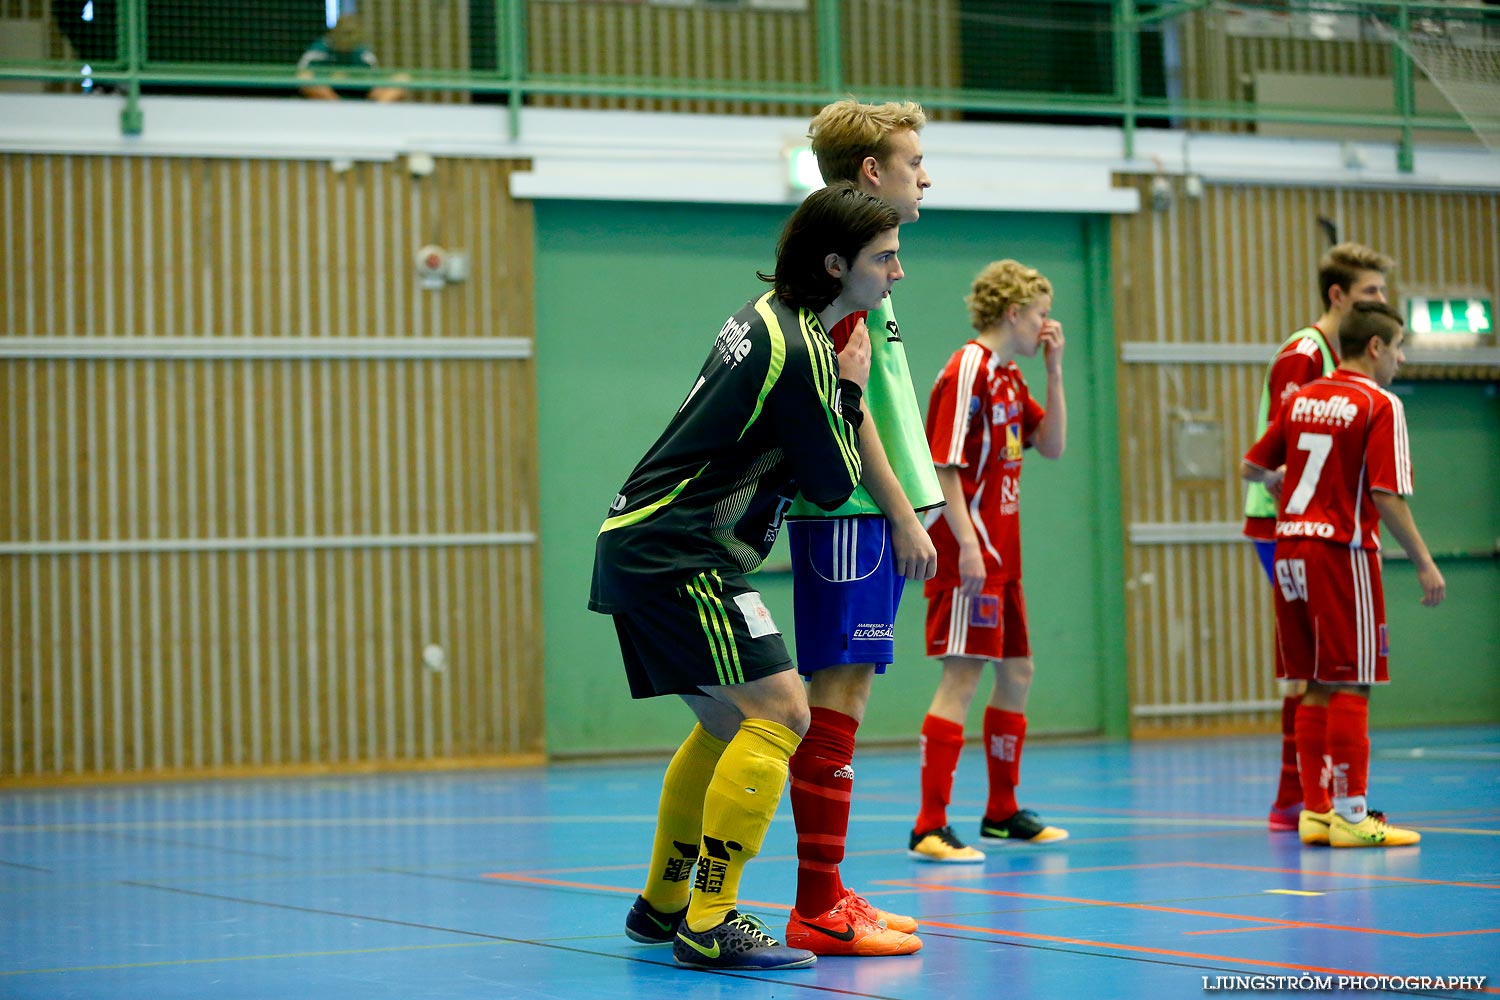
(1341, 438)
(979, 419)
(1299, 361)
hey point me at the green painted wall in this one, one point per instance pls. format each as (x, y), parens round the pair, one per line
(629, 298)
(1445, 661)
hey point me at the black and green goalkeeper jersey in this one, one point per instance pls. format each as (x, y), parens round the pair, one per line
(761, 423)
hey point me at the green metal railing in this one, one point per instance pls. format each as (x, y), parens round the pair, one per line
(1132, 90)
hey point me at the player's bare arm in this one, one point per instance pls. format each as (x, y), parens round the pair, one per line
(914, 553)
(971, 569)
(1270, 478)
(1051, 436)
(1396, 515)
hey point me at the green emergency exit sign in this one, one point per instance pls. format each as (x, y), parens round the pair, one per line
(1439, 316)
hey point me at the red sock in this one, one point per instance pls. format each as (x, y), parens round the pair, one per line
(1004, 732)
(1349, 745)
(942, 742)
(822, 784)
(1312, 744)
(1289, 792)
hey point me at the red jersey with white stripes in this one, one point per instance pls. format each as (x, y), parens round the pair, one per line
(1341, 438)
(1300, 361)
(979, 419)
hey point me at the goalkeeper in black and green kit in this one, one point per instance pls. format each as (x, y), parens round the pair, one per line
(773, 412)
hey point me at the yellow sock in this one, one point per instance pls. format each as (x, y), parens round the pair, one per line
(737, 811)
(679, 820)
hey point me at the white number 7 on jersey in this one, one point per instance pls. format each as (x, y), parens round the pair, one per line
(1317, 447)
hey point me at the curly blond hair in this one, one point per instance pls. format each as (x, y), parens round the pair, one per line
(1002, 284)
(845, 132)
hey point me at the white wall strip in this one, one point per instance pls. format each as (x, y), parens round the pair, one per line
(1205, 708)
(264, 348)
(586, 146)
(1150, 352)
(1146, 352)
(1185, 533)
(130, 545)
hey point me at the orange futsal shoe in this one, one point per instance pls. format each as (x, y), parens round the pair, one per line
(848, 930)
(892, 921)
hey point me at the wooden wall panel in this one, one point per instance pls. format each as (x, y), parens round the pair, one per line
(425, 36)
(1219, 66)
(892, 49)
(737, 49)
(211, 563)
(176, 662)
(1236, 267)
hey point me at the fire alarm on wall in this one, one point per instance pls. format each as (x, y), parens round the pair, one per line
(432, 266)
(437, 266)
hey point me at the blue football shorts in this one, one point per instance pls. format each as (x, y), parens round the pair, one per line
(845, 591)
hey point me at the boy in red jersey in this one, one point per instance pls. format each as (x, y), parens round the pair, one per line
(1347, 273)
(1338, 456)
(979, 419)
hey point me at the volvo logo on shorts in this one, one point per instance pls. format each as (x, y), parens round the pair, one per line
(1304, 529)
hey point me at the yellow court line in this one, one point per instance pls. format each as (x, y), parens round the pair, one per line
(1293, 892)
(251, 958)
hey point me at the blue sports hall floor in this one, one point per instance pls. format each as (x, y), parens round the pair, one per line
(500, 884)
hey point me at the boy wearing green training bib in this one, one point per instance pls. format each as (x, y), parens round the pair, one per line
(849, 565)
(1347, 273)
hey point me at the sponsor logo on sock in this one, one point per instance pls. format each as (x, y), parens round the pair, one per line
(705, 952)
(846, 772)
(847, 934)
(713, 865)
(1003, 746)
(680, 869)
(1338, 782)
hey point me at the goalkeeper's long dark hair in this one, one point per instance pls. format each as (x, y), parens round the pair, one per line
(839, 219)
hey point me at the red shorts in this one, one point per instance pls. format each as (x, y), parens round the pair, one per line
(1330, 614)
(987, 626)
